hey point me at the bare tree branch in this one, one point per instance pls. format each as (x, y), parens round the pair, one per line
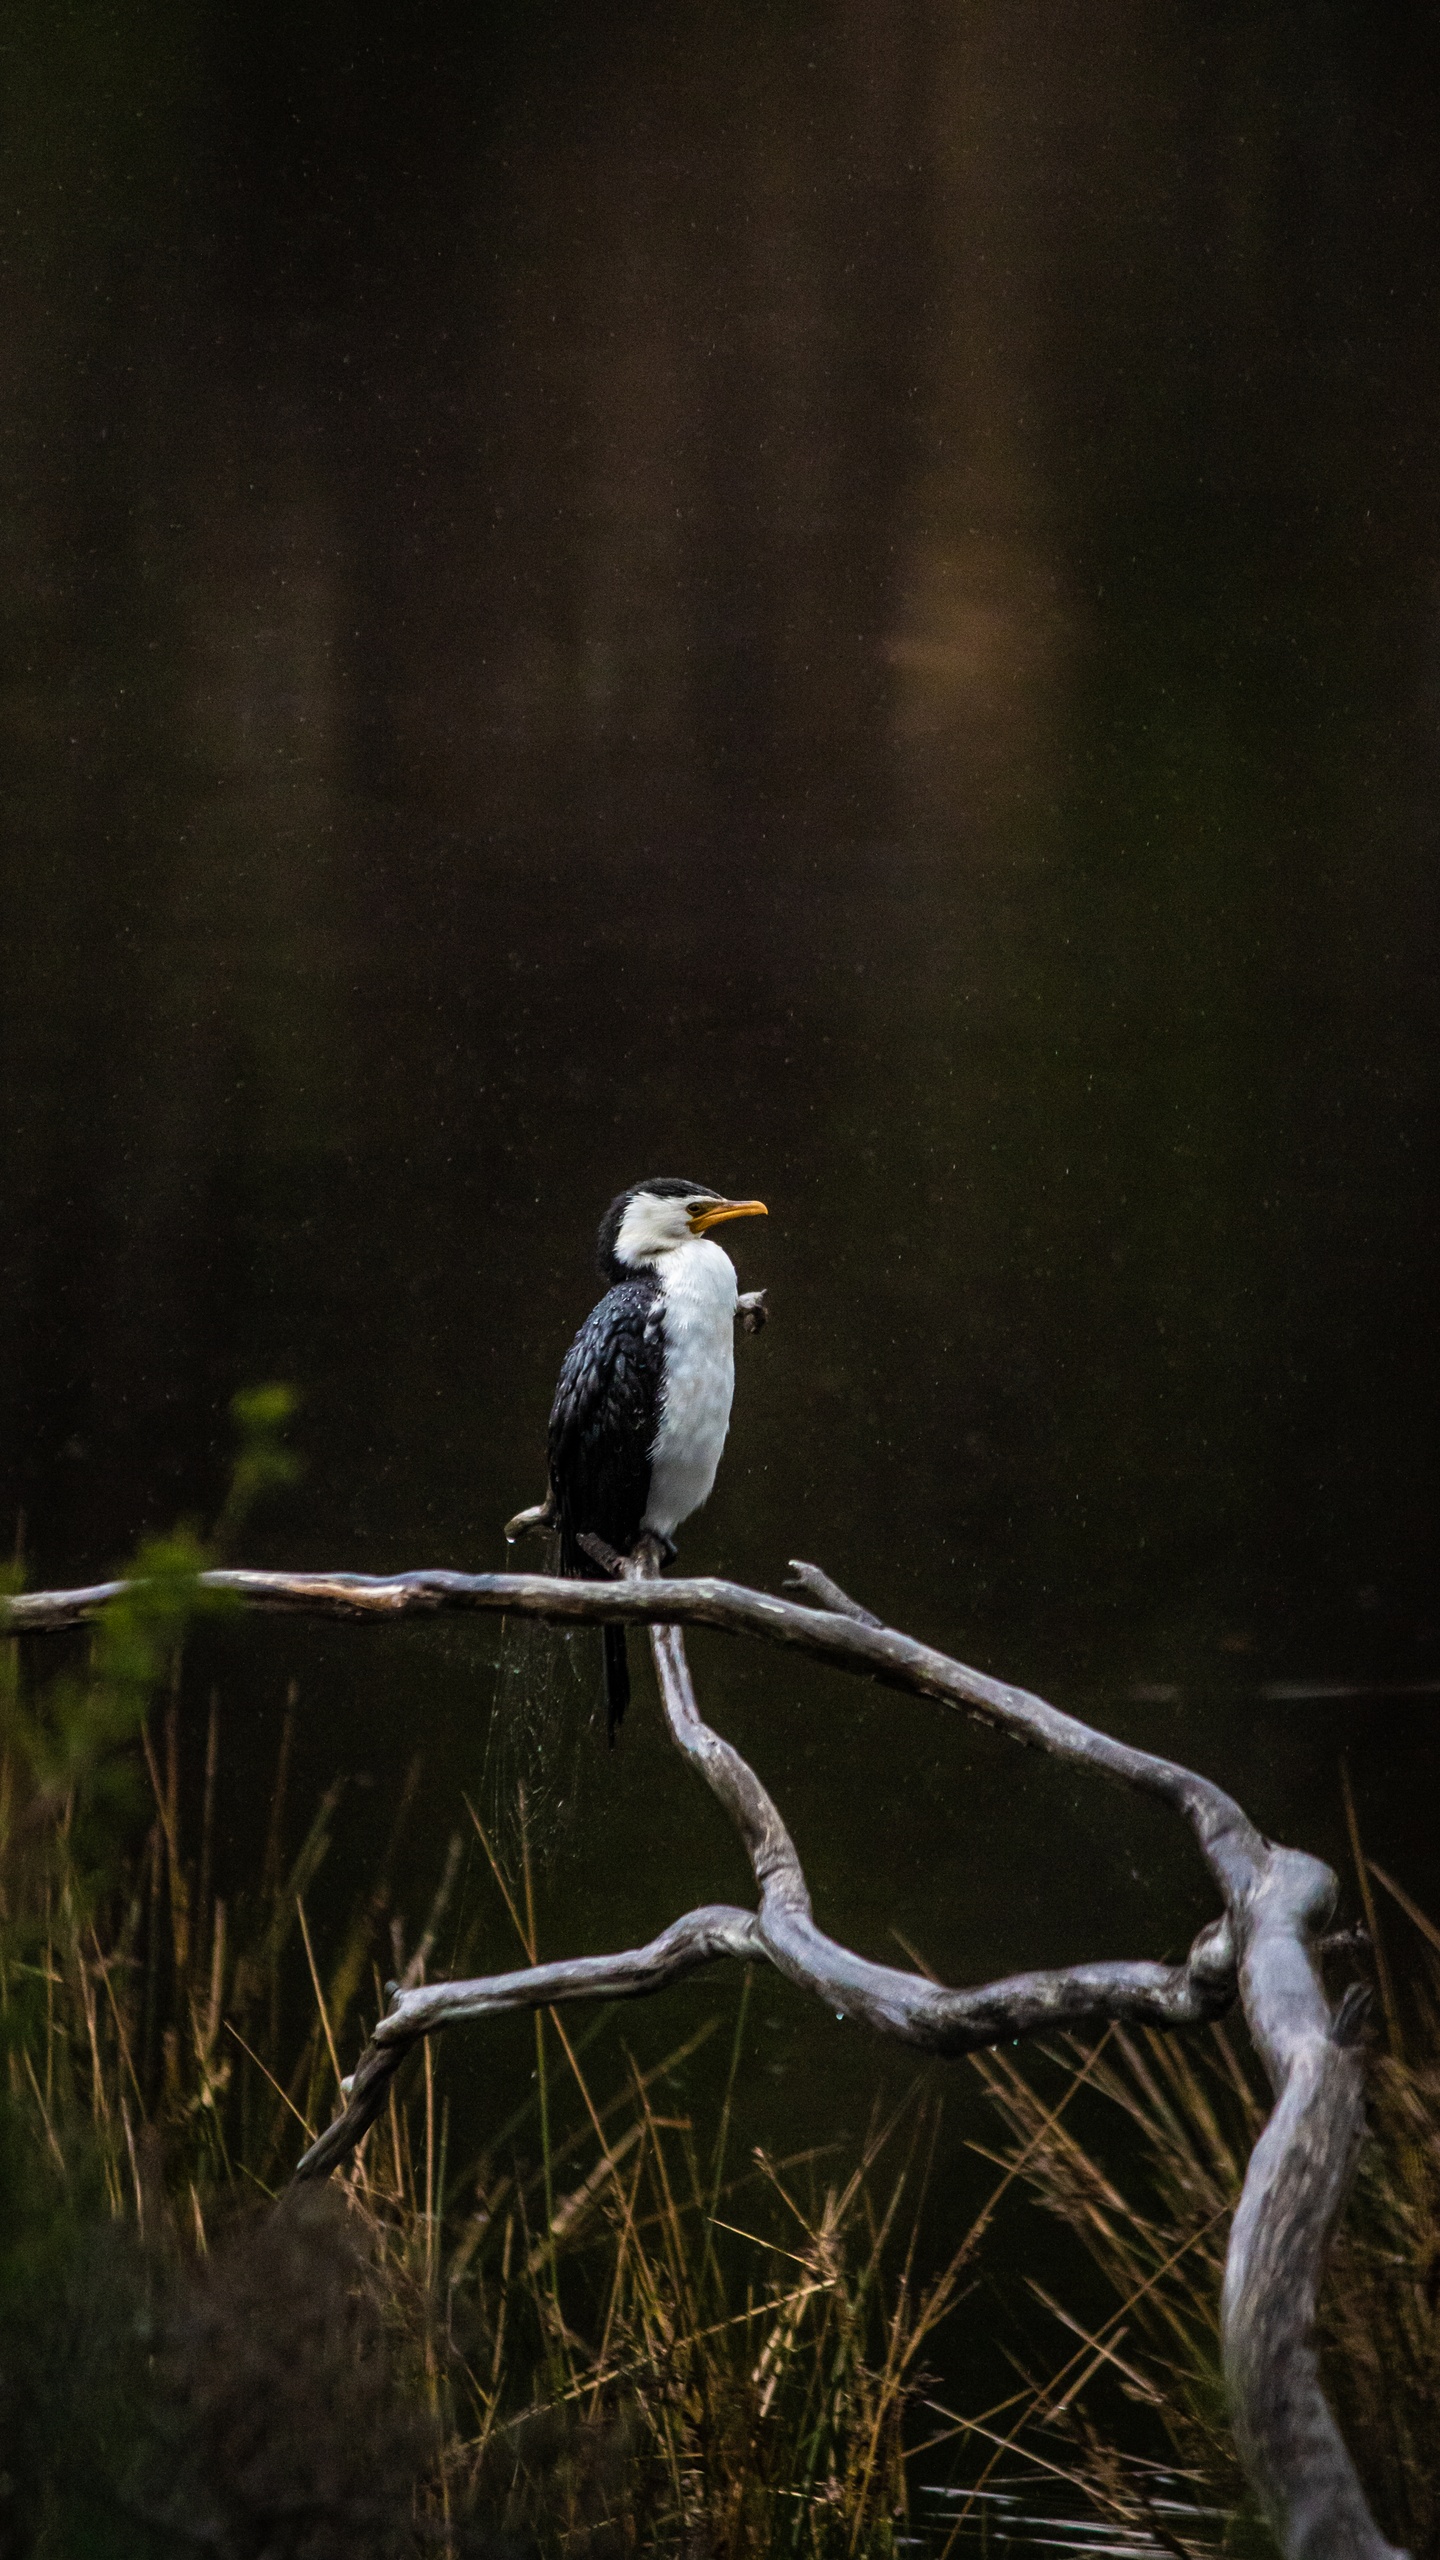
(907, 2005)
(717, 1930)
(809, 1578)
(847, 1642)
(1277, 1902)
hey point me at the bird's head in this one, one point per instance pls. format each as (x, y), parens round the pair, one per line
(652, 1218)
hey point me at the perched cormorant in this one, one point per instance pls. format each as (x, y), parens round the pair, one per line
(643, 1403)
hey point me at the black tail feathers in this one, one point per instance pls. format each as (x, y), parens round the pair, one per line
(617, 1679)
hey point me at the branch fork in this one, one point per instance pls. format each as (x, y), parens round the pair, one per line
(1263, 1948)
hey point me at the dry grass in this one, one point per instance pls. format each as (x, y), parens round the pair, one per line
(605, 2334)
(1136, 2144)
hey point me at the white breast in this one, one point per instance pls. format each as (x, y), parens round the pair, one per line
(699, 1290)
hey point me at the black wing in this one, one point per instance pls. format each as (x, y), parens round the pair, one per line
(603, 1423)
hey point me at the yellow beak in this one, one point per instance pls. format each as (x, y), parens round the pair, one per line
(723, 1209)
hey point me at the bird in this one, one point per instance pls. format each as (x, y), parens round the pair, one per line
(642, 1406)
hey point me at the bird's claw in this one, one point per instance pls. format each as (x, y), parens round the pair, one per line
(651, 1553)
(607, 1557)
(751, 1311)
(527, 1524)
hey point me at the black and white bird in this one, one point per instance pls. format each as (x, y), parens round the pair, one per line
(643, 1403)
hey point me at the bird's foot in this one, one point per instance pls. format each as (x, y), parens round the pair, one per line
(651, 1554)
(608, 1558)
(751, 1311)
(529, 1524)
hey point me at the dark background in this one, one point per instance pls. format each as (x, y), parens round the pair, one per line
(838, 600)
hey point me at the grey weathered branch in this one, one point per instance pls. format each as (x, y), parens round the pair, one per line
(717, 1930)
(783, 1933)
(846, 1638)
(1276, 1904)
(811, 1579)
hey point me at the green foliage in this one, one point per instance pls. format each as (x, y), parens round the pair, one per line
(74, 1738)
(72, 1776)
(263, 1465)
(73, 1741)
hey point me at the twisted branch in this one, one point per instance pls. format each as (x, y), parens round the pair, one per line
(1276, 1904)
(849, 1639)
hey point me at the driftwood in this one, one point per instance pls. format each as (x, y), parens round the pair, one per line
(1262, 1948)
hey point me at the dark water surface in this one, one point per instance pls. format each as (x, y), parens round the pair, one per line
(840, 600)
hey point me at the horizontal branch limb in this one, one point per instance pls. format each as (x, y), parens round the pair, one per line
(903, 2005)
(852, 1643)
(718, 1929)
(1277, 1902)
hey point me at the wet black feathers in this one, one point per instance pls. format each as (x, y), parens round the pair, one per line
(602, 1429)
(604, 1419)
